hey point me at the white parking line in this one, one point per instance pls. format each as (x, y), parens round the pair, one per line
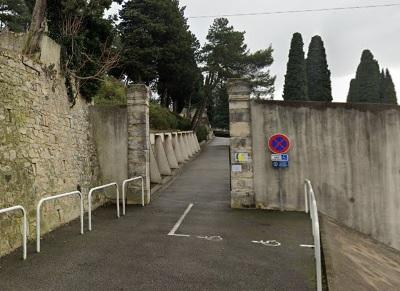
(307, 246)
(179, 222)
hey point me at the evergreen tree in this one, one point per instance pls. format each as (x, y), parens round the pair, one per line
(318, 74)
(158, 49)
(366, 87)
(353, 90)
(295, 87)
(224, 56)
(15, 15)
(388, 91)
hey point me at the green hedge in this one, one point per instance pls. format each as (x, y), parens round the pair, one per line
(163, 119)
(111, 92)
(202, 133)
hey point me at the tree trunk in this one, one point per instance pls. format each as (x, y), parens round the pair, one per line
(36, 28)
(199, 112)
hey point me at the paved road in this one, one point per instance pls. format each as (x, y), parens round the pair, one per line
(135, 252)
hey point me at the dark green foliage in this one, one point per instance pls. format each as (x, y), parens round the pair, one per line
(295, 87)
(318, 74)
(224, 56)
(15, 15)
(353, 90)
(163, 119)
(201, 133)
(220, 116)
(85, 35)
(388, 91)
(159, 49)
(366, 87)
(370, 85)
(111, 92)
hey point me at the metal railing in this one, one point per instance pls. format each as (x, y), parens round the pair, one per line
(311, 206)
(24, 229)
(90, 200)
(124, 189)
(52, 198)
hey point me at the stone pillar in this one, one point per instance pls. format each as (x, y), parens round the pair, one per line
(242, 184)
(138, 142)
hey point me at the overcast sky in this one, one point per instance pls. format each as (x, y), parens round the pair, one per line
(345, 33)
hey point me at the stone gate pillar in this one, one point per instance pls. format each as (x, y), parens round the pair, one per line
(138, 142)
(241, 149)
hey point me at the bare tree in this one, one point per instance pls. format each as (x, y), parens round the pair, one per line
(108, 59)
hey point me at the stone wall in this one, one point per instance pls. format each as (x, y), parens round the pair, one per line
(49, 50)
(45, 146)
(350, 152)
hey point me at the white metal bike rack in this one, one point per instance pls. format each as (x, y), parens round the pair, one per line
(311, 206)
(24, 229)
(53, 198)
(124, 189)
(90, 200)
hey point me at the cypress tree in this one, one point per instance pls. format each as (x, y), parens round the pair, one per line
(381, 85)
(318, 73)
(366, 87)
(295, 87)
(353, 91)
(388, 91)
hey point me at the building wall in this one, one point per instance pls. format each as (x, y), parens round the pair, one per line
(45, 147)
(349, 152)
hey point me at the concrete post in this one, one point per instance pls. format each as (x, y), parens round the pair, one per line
(155, 175)
(177, 147)
(191, 142)
(169, 150)
(183, 147)
(161, 157)
(242, 183)
(138, 141)
(188, 147)
(196, 141)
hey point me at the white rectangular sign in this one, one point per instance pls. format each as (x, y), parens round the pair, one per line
(236, 168)
(280, 157)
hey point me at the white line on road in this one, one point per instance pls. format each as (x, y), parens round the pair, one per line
(307, 246)
(179, 222)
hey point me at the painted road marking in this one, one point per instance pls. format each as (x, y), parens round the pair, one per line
(268, 243)
(210, 238)
(179, 222)
(307, 246)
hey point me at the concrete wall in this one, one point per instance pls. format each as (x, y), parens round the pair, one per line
(109, 128)
(45, 147)
(349, 152)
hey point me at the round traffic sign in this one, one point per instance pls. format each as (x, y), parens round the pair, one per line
(279, 143)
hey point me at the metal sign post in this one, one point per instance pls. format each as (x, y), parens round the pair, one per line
(280, 189)
(279, 144)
